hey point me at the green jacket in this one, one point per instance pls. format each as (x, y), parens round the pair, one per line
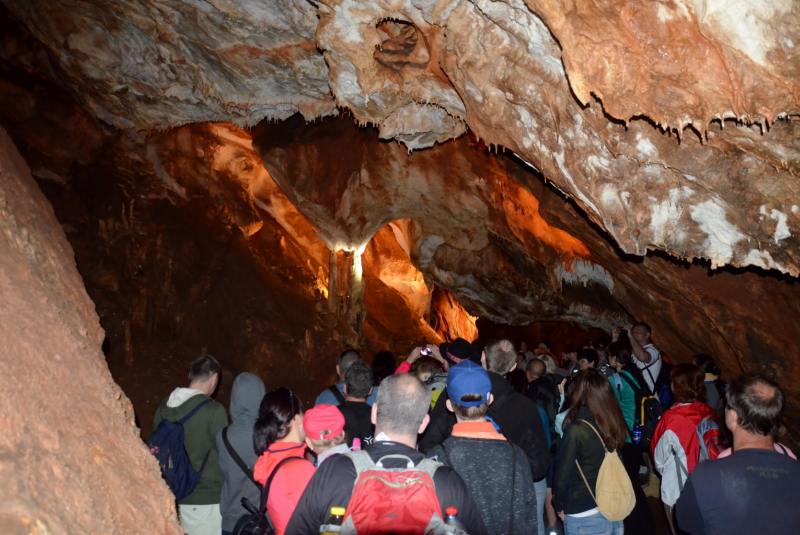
(199, 439)
(626, 397)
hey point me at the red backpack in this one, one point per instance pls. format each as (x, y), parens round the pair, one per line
(393, 500)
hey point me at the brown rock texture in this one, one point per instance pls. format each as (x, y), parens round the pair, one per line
(68, 463)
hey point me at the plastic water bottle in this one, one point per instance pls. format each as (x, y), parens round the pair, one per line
(356, 445)
(637, 433)
(332, 527)
(451, 519)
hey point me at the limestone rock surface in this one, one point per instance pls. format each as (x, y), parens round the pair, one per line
(68, 463)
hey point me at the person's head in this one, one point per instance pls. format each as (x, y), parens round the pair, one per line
(619, 355)
(754, 405)
(518, 380)
(280, 419)
(587, 358)
(324, 428)
(521, 358)
(545, 345)
(523, 347)
(383, 366)
(401, 410)
(688, 383)
(570, 354)
(204, 374)
(500, 356)
(641, 332)
(469, 392)
(347, 359)
(358, 382)
(706, 363)
(593, 391)
(425, 367)
(536, 368)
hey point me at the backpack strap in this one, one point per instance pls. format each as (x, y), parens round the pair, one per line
(268, 484)
(194, 411)
(446, 456)
(679, 466)
(585, 482)
(238, 460)
(333, 389)
(596, 432)
(618, 382)
(781, 446)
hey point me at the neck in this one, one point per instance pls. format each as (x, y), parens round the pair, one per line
(750, 441)
(409, 441)
(202, 387)
(351, 398)
(460, 421)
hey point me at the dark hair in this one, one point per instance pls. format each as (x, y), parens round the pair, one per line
(518, 380)
(593, 391)
(621, 350)
(382, 366)
(276, 412)
(642, 324)
(546, 344)
(706, 363)
(347, 359)
(758, 401)
(470, 413)
(500, 356)
(203, 368)
(358, 381)
(688, 383)
(403, 401)
(589, 355)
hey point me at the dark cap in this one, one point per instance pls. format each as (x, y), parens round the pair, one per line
(460, 350)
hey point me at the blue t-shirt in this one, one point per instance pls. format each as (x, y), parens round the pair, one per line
(327, 397)
(752, 491)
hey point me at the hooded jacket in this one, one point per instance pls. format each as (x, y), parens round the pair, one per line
(248, 390)
(199, 433)
(677, 431)
(581, 443)
(288, 484)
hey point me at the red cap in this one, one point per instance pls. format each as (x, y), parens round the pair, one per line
(451, 511)
(323, 418)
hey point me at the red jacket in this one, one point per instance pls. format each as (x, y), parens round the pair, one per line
(677, 431)
(288, 484)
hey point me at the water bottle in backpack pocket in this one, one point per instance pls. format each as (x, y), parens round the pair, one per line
(167, 445)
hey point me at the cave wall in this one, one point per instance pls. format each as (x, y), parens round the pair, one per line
(69, 463)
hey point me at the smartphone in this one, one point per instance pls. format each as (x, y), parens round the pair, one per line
(425, 351)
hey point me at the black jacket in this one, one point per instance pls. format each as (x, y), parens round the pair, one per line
(357, 422)
(486, 467)
(332, 486)
(580, 442)
(517, 417)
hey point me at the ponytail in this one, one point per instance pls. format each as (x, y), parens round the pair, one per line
(275, 415)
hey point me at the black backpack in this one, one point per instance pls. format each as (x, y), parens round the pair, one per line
(648, 410)
(662, 386)
(258, 522)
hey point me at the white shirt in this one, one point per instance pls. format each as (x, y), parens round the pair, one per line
(650, 370)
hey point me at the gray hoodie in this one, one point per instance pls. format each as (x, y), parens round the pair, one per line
(248, 391)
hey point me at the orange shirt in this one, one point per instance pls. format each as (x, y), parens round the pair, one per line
(476, 430)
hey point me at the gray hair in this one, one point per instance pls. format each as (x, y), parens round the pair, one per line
(500, 356)
(347, 359)
(403, 401)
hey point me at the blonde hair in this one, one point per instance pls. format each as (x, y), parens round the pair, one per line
(321, 446)
(549, 363)
(424, 369)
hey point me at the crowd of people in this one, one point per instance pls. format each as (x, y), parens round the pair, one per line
(467, 438)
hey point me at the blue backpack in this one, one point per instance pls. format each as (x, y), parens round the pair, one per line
(166, 443)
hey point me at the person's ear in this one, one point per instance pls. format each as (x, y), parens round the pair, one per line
(425, 422)
(731, 419)
(491, 399)
(514, 367)
(370, 391)
(344, 389)
(483, 359)
(449, 405)
(338, 373)
(309, 444)
(374, 414)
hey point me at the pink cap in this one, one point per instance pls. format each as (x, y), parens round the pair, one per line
(321, 419)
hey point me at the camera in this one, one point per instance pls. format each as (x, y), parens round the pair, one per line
(425, 352)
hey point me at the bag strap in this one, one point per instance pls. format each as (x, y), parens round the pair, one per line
(205, 460)
(618, 382)
(584, 480)
(680, 467)
(238, 460)
(268, 484)
(513, 484)
(781, 446)
(596, 432)
(336, 393)
(194, 411)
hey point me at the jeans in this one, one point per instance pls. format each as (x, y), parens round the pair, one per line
(592, 525)
(541, 494)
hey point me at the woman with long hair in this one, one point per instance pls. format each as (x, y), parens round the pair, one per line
(675, 444)
(596, 426)
(279, 441)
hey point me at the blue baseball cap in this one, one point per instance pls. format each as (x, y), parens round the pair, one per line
(468, 378)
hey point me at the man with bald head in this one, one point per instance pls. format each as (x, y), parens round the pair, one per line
(399, 414)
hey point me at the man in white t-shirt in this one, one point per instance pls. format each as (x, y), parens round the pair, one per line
(648, 357)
